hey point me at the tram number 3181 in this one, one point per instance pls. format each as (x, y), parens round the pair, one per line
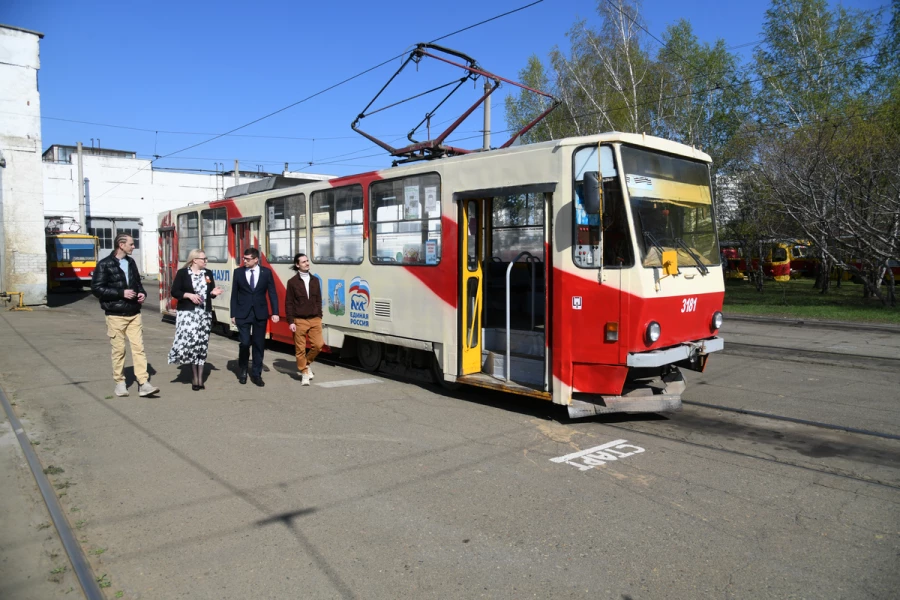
(688, 305)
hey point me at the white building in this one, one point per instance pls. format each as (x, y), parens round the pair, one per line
(23, 257)
(124, 194)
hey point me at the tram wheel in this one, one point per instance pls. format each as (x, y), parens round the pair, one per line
(369, 354)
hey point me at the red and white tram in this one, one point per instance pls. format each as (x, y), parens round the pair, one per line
(577, 270)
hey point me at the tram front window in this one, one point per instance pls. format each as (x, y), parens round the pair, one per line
(69, 251)
(671, 204)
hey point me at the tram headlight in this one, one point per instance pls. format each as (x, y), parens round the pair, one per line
(653, 332)
(717, 321)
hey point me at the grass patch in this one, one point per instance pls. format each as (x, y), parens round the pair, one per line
(79, 524)
(103, 581)
(59, 570)
(98, 551)
(799, 299)
(51, 470)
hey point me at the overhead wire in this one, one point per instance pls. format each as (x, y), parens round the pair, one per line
(319, 93)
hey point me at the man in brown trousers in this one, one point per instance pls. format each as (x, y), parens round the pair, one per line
(303, 308)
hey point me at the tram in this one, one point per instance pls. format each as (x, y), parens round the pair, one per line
(71, 259)
(578, 270)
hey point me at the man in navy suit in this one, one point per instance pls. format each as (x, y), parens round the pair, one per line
(249, 311)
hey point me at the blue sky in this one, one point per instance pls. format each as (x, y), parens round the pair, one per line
(209, 67)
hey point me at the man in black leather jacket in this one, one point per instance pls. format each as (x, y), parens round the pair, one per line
(117, 282)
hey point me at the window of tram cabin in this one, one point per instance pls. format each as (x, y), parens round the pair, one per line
(671, 203)
(617, 247)
(188, 234)
(337, 225)
(215, 234)
(285, 228)
(406, 220)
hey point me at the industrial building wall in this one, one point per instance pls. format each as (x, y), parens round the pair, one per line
(23, 258)
(125, 190)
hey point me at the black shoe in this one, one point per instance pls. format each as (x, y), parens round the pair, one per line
(242, 377)
(195, 387)
(202, 387)
(258, 381)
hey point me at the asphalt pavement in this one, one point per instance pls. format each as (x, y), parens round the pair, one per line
(367, 486)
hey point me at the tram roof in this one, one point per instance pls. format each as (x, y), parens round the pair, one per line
(637, 139)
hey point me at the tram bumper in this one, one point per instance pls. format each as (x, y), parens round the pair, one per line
(661, 395)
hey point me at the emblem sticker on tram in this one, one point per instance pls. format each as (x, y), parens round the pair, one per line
(359, 302)
(585, 460)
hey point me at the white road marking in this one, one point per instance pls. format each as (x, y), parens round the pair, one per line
(599, 455)
(347, 382)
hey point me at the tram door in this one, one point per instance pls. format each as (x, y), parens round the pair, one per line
(471, 278)
(168, 263)
(246, 235)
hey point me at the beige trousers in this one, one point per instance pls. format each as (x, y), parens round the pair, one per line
(118, 328)
(307, 329)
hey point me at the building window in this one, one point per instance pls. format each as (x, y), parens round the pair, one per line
(285, 228)
(104, 235)
(337, 225)
(406, 221)
(188, 234)
(135, 235)
(215, 236)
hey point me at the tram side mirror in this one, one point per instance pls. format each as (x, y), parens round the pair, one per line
(592, 192)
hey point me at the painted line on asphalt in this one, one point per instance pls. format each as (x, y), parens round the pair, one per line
(347, 382)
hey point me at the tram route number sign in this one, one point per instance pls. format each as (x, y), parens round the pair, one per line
(585, 460)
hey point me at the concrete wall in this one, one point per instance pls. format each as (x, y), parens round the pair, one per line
(23, 259)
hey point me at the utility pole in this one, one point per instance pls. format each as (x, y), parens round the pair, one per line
(487, 115)
(81, 220)
(236, 173)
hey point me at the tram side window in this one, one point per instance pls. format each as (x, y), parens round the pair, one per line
(286, 228)
(215, 234)
(406, 221)
(337, 225)
(617, 248)
(188, 234)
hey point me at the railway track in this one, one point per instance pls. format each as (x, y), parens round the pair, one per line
(874, 363)
(73, 549)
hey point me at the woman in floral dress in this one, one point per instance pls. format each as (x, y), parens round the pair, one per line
(194, 288)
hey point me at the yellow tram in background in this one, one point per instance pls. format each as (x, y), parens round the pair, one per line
(71, 259)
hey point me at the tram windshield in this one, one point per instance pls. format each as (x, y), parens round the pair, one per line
(671, 204)
(70, 250)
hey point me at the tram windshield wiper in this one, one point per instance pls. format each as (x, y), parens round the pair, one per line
(693, 255)
(649, 237)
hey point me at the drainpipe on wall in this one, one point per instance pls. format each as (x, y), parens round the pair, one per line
(82, 222)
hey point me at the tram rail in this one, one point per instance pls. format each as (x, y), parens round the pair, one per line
(873, 363)
(79, 562)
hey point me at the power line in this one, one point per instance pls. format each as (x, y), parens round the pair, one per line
(311, 96)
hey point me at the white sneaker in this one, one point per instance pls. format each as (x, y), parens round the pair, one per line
(310, 373)
(304, 380)
(147, 389)
(121, 390)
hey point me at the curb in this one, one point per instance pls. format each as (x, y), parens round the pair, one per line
(792, 322)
